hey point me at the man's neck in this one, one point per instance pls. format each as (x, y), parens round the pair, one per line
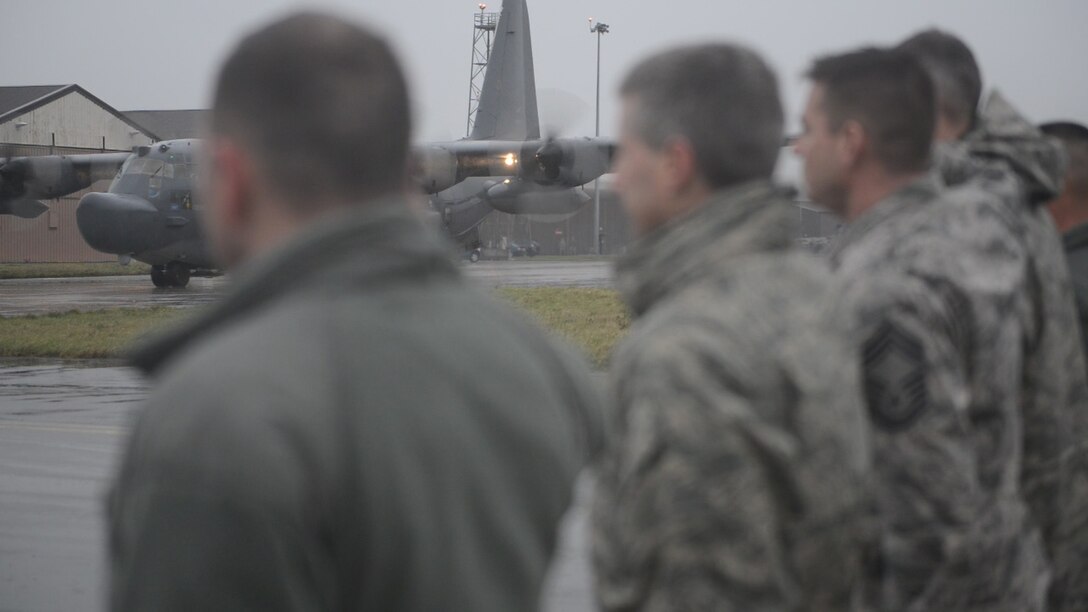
(680, 205)
(872, 188)
(949, 131)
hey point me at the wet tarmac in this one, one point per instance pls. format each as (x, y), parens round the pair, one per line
(37, 296)
(62, 429)
(63, 426)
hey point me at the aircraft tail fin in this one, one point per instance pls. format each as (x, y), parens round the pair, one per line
(508, 108)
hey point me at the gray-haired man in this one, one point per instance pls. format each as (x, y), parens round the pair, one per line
(734, 475)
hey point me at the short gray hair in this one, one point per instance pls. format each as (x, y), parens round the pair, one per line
(322, 105)
(721, 98)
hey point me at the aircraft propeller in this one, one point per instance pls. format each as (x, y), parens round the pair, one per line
(13, 200)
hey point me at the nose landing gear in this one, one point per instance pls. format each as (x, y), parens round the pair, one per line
(173, 274)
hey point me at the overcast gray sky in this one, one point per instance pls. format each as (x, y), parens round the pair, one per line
(151, 54)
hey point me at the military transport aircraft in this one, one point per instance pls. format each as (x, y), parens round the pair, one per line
(151, 213)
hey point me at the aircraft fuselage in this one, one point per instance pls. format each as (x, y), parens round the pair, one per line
(151, 213)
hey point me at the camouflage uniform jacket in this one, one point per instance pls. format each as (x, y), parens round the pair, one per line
(935, 288)
(733, 478)
(1011, 160)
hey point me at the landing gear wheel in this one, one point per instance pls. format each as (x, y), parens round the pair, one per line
(177, 274)
(158, 276)
(474, 256)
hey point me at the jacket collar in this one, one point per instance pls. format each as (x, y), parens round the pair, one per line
(745, 219)
(379, 241)
(907, 200)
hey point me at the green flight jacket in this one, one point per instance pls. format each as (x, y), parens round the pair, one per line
(354, 427)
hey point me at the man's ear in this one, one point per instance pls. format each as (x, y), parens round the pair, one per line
(853, 143)
(681, 168)
(233, 186)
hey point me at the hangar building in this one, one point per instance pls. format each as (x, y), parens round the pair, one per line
(58, 120)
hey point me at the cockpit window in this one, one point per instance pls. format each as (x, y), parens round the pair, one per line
(149, 167)
(144, 176)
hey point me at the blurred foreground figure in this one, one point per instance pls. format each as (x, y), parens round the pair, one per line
(735, 474)
(934, 280)
(999, 152)
(1070, 211)
(353, 427)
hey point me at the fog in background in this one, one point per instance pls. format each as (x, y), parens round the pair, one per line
(164, 55)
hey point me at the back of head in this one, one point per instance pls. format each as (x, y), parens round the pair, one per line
(1075, 138)
(955, 73)
(322, 107)
(889, 93)
(721, 98)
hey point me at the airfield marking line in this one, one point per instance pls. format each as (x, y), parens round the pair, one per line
(82, 449)
(64, 427)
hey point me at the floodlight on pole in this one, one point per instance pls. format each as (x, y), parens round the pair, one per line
(599, 29)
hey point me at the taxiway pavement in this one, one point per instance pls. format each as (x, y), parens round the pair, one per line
(63, 427)
(38, 296)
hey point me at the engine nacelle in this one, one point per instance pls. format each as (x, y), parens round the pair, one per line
(439, 167)
(436, 169)
(570, 162)
(531, 199)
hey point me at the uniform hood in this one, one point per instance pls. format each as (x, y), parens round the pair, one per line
(1003, 136)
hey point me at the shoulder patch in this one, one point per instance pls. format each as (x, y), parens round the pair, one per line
(894, 372)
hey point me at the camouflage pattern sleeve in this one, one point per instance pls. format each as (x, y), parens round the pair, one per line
(685, 516)
(1069, 592)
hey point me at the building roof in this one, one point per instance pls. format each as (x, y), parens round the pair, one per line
(171, 124)
(14, 98)
(18, 100)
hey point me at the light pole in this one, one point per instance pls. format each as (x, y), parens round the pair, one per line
(599, 29)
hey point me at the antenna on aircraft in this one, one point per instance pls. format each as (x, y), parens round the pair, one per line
(484, 25)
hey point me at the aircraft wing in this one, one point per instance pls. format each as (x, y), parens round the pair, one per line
(24, 181)
(553, 162)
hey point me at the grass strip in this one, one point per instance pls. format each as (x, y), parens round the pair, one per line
(81, 335)
(71, 270)
(592, 319)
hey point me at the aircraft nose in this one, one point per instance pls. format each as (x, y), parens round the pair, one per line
(117, 224)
